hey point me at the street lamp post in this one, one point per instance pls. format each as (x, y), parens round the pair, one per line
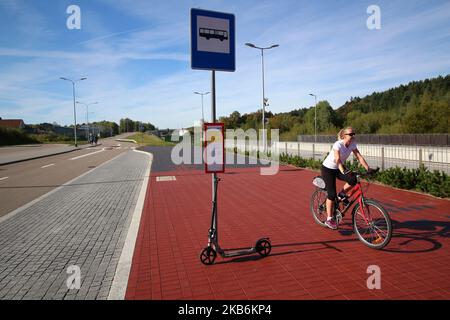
(92, 128)
(74, 110)
(203, 118)
(251, 45)
(202, 94)
(87, 115)
(315, 117)
(315, 124)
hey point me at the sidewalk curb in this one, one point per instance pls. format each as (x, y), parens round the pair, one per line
(120, 282)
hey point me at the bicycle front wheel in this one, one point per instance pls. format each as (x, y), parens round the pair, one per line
(372, 224)
(318, 206)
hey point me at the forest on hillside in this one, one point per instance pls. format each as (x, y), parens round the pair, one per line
(418, 107)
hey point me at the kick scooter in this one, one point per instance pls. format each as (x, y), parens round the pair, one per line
(209, 254)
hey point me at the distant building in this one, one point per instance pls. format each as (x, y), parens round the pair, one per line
(183, 132)
(12, 123)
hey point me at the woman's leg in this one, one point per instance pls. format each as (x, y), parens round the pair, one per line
(346, 187)
(330, 207)
(329, 176)
(350, 181)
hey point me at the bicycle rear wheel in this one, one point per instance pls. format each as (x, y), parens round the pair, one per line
(318, 206)
(373, 226)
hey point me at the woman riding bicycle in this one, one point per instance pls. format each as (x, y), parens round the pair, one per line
(333, 167)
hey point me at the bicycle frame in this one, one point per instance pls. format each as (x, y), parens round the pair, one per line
(356, 194)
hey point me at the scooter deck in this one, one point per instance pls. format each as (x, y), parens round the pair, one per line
(235, 253)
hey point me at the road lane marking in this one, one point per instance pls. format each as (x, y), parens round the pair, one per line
(85, 155)
(165, 178)
(4, 178)
(49, 165)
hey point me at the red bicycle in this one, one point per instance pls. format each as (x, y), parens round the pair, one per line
(370, 219)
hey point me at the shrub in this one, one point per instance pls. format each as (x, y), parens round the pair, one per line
(15, 136)
(436, 183)
(421, 179)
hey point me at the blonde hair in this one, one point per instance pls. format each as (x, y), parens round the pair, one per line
(340, 134)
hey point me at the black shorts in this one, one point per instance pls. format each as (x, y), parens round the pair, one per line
(330, 175)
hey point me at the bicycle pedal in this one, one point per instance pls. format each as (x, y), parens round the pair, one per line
(378, 240)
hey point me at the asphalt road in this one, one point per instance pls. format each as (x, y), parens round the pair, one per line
(162, 160)
(23, 182)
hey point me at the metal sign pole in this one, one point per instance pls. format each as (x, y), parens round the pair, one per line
(213, 120)
(213, 96)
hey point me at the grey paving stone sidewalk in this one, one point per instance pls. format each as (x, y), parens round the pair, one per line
(83, 224)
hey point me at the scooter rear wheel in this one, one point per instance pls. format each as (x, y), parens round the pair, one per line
(208, 256)
(263, 247)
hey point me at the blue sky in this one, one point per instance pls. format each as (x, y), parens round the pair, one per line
(136, 56)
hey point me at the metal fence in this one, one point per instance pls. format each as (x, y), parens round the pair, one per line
(383, 156)
(434, 158)
(442, 140)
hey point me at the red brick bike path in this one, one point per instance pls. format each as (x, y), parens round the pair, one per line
(306, 262)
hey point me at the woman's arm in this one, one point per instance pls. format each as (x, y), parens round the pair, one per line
(337, 159)
(361, 159)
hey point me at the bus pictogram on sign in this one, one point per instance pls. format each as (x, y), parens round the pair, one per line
(213, 33)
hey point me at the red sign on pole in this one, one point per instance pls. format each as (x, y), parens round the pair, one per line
(214, 148)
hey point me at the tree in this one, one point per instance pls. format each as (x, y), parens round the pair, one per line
(235, 119)
(326, 117)
(428, 117)
(128, 125)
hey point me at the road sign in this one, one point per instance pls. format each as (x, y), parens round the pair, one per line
(212, 40)
(214, 148)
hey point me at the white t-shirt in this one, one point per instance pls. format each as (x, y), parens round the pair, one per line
(344, 153)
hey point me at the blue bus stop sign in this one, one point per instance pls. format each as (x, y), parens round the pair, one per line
(213, 40)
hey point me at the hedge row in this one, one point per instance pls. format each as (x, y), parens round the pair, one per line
(15, 136)
(421, 179)
(53, 137)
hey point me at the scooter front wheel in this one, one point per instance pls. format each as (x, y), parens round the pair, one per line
(208, 256)
(263, 247)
